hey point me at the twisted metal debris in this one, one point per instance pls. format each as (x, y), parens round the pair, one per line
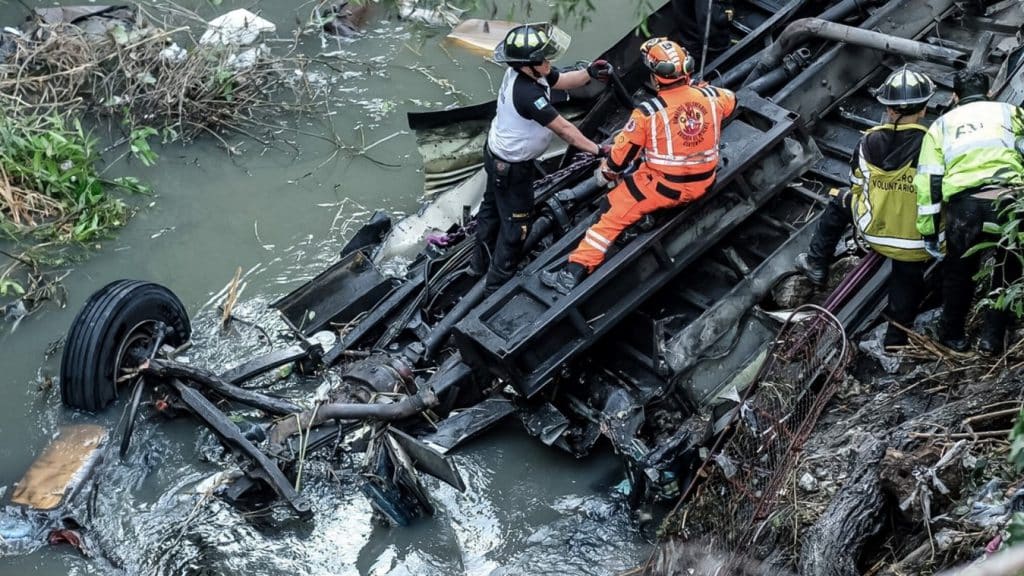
(742, 480)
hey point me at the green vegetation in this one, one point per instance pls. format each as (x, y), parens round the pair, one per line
(50, 188)
(1009, 237)
(134, 74)
(1015, 528)
(51, 196)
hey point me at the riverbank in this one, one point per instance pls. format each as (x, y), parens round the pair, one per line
(81, 82)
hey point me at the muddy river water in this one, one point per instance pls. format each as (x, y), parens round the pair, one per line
(281, 218)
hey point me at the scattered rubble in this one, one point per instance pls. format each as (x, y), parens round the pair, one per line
(906, 472)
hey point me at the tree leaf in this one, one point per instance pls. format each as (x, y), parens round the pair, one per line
(10, 286)
(979, 247)
(1015, 530)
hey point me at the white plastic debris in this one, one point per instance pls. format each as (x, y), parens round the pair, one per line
(727, 466)
(808, 483)
(173, 54)
(946, 538)
(247, 58)
(325, 338)
(210, 484)
(872, 346)
(236, 28)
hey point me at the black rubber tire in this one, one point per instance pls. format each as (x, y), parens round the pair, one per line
(88, 379)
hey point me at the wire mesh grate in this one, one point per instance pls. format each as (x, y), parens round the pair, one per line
(744, 475)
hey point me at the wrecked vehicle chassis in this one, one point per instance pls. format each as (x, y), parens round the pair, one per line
(643, 352)
(522, 335)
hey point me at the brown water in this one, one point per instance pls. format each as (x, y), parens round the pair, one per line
(528, 510)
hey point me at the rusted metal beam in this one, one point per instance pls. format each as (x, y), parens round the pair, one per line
(169, 369)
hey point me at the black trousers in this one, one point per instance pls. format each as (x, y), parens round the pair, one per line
(503, 221)
(832, 224)
(965, 217)
(906, 284)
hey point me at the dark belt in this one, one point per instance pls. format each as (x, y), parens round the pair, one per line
(670, 193)
(487, 150)
(632, 189)
(687, 178)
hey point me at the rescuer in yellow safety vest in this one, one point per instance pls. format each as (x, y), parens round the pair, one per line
(969, 169)
(881, 200)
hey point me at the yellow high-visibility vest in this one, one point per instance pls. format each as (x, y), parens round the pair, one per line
(884, 205)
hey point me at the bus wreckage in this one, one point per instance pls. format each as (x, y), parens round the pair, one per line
(657, 352)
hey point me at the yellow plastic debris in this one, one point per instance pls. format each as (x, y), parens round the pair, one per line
(480, 35)
(61, 467)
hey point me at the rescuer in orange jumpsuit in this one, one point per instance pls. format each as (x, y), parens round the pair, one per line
(678, 135)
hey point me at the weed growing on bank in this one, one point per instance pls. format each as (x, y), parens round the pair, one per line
(137, 76)
(49, 184)
(51, 196)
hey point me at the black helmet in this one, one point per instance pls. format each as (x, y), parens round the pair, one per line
(532, 44)
(968, 83)
(906, 91)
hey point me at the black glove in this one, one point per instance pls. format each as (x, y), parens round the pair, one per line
(603, 150)
(600, 70)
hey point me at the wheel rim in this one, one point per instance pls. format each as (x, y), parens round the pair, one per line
(139, 337)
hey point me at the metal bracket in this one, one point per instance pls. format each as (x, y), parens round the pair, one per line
(219, 423)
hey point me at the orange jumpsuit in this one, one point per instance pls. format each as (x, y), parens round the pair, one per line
(678, 133)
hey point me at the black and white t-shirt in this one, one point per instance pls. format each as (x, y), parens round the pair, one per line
(518, 132)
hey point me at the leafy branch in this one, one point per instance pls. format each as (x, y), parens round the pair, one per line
(1008, 248)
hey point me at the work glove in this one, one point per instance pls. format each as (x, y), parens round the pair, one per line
(600, 70)
(603, 150)
(605, 176)
(931, 246)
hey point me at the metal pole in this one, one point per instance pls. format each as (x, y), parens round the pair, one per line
(707, 31)
(808, 28)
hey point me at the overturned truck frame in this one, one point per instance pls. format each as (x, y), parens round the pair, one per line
(654, 351)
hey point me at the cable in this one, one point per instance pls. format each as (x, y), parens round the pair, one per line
(304, 441)
(707, 32)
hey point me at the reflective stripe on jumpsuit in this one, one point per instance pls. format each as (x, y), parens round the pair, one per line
(679, 133)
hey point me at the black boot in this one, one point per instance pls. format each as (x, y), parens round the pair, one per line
(956, 342)
(834, 221)
(480, 260)
(815, 270)
(564, 280)
(894, 337)
(993, 332)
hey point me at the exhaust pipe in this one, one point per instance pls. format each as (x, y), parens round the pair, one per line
(404, 408)
(807, 28)
(839, 12)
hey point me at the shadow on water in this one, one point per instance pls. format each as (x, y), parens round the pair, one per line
(281, 215)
